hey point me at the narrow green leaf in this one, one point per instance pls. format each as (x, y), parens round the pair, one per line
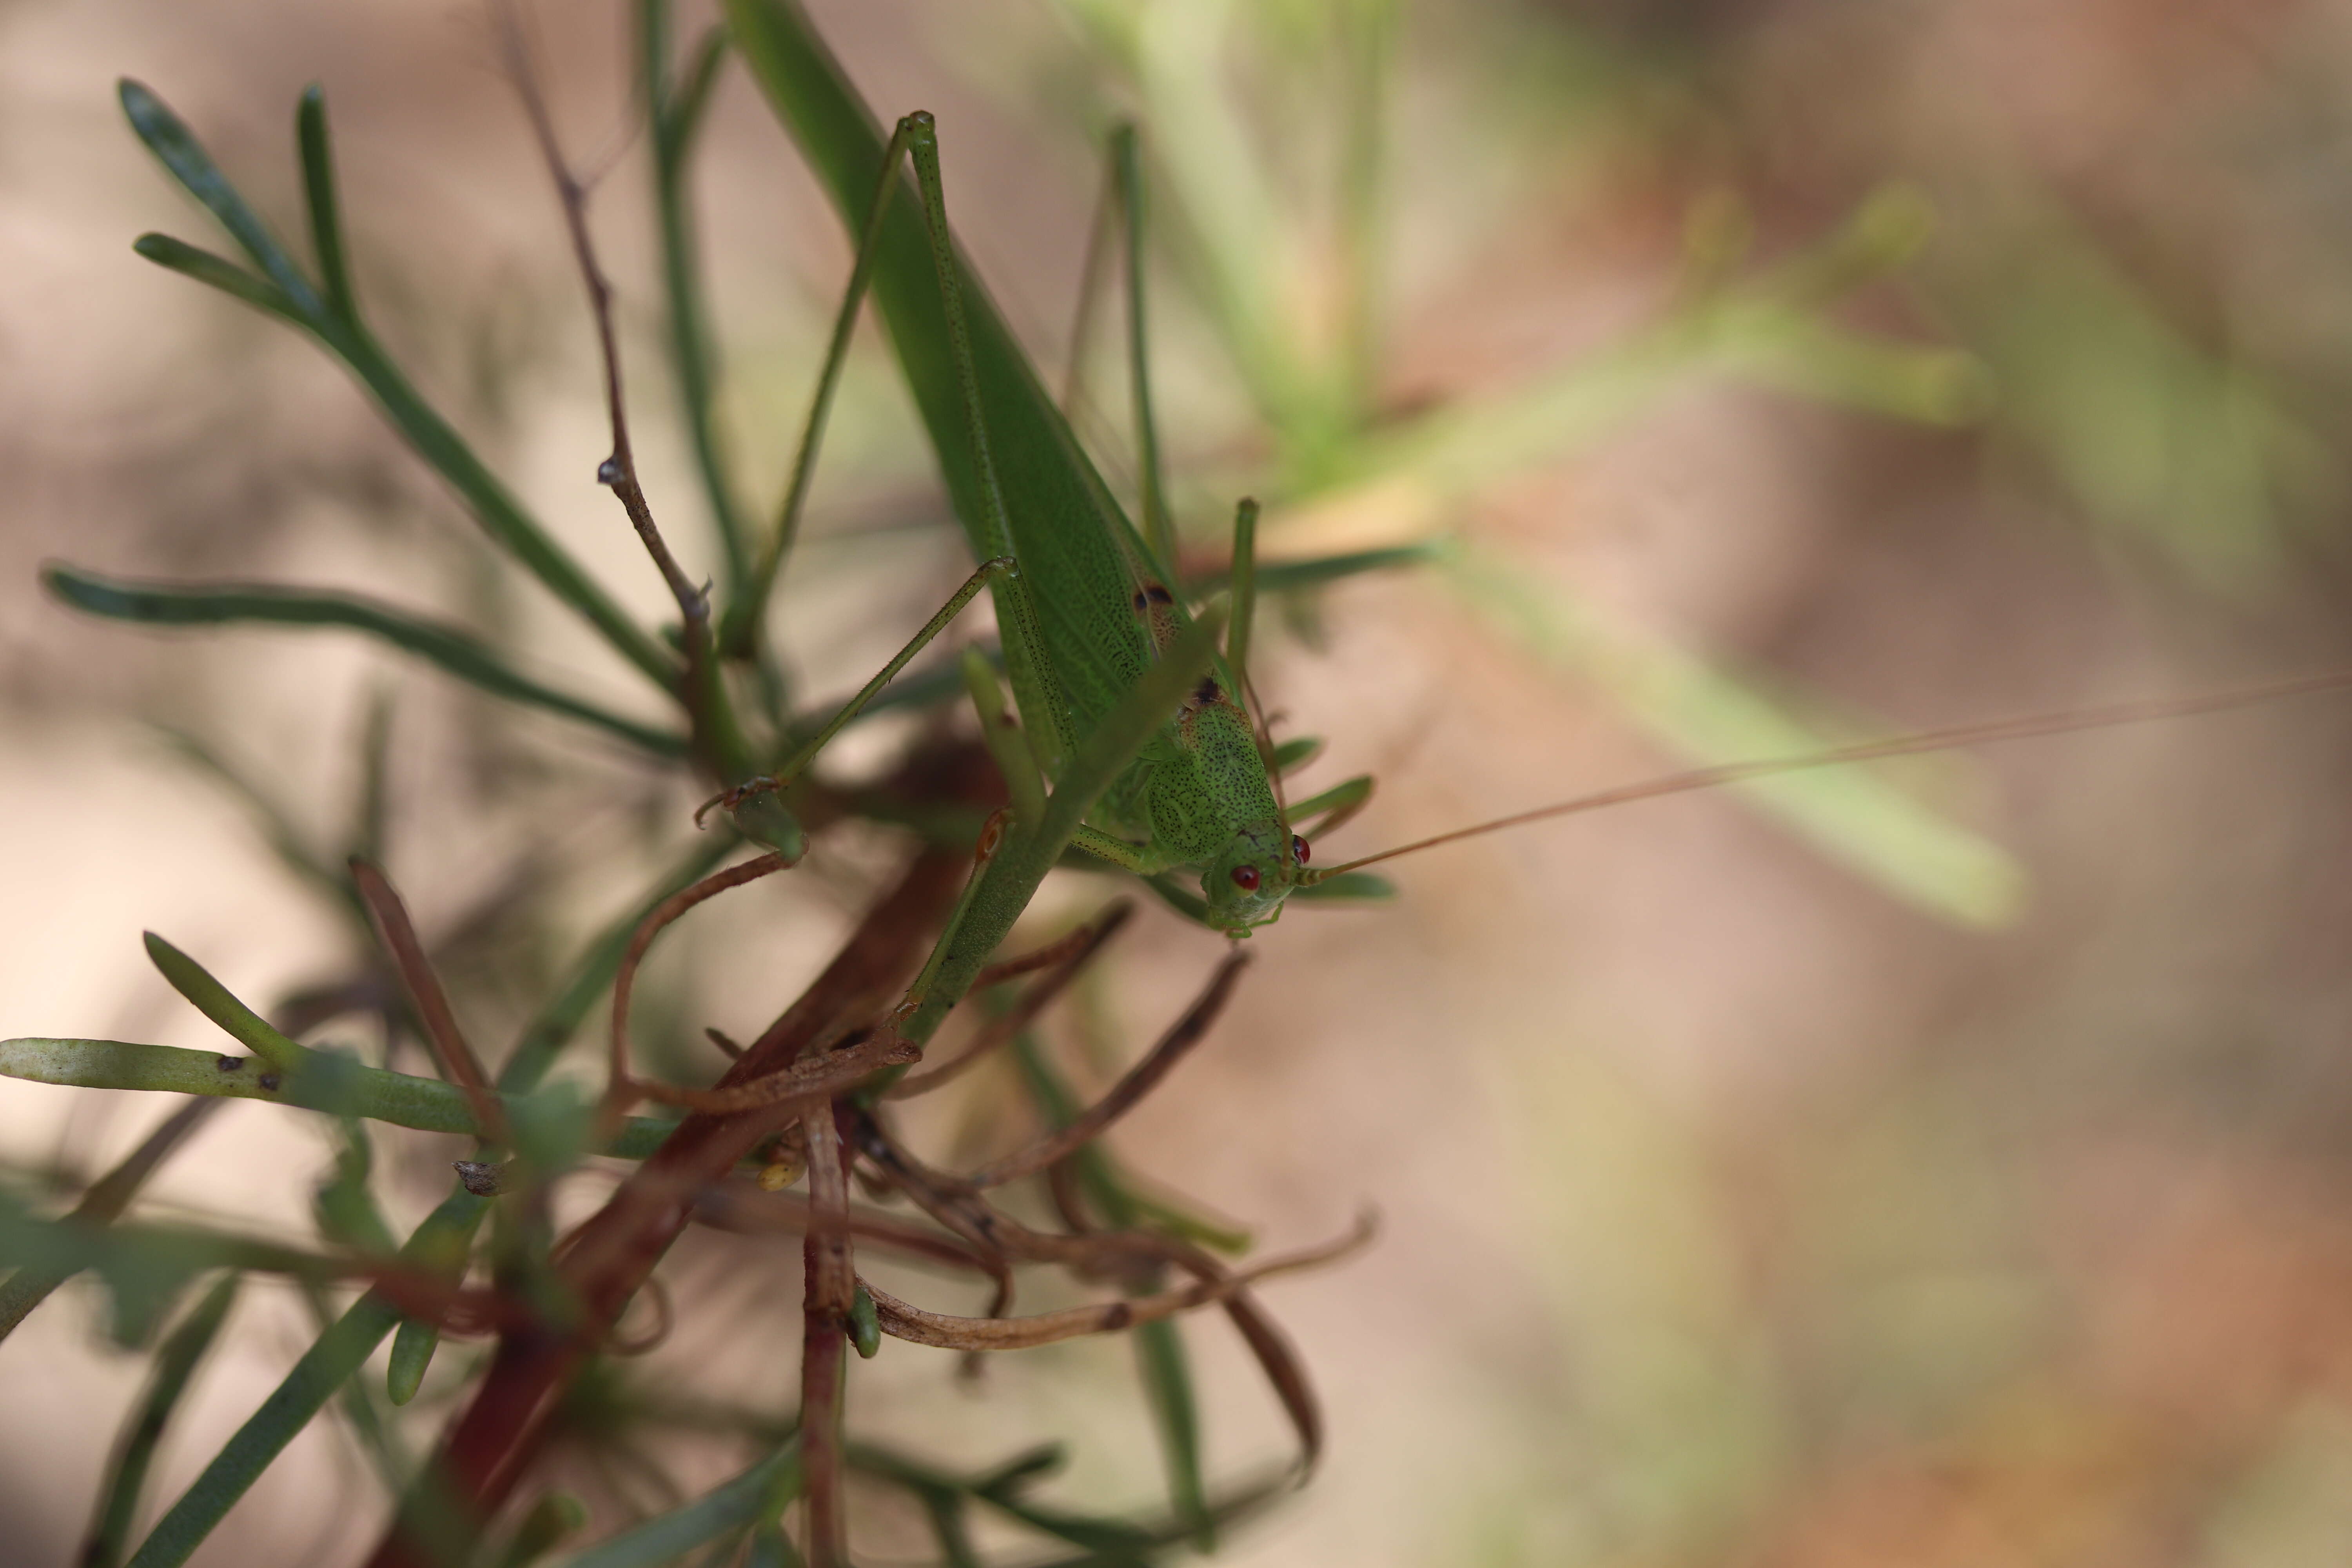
(277, 824)
(31, 1285)
(373, 810)
(213, 1000)
(172, 143)
(494, 506)
(1283, 576)
(772, 1548)
(330, 1362)
(1350, 886)
(344, 1204)
(675, 121)
(219, 272)
(325, 209)
(1167, 1373)
(329, 1082)
(552, 1518)
(692, 101)
(457, 652)
(732, 1506)
(134, 1450)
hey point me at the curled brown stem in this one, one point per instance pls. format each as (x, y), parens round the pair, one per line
(861, 1054)
(1141, 1080)
(1066, 958)
(739, 1205)
(621, 1090)
(657, 1295)
(1103, 1254)
(905, 1321)
(451, 1054)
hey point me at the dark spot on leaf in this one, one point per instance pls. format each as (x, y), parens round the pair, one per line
(478, 1176)
(229, 1064)
(269, 1081)
(1207, 691)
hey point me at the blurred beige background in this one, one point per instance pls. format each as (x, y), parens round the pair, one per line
(1735, 1212)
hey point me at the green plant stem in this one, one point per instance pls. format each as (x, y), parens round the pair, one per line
(285, 291)
(675, 116)
(454, 651)
(175, 1363)
(324, 1368)
(329, 1082)
(31, 1285)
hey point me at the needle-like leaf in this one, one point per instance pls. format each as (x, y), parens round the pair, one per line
(458, 652)
(134, 1450)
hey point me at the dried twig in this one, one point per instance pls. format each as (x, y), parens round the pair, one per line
(829, 1289)
(621, 1090)
(740, 1206)
(451, 1054)
(619, 470)
(492, 1443)
(1067, 957)
(904, 1322)
(1140, 1081)
(1106, 1253)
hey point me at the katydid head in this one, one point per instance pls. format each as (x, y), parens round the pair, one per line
(1246, 885)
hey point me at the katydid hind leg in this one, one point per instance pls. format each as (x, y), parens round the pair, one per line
(1099, 238)
(740, 632)
(1027, 661)
(1127, 176)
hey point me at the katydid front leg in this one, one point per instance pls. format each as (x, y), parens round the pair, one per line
(756, 805)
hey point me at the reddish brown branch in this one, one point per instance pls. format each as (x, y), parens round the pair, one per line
(909, 1323)
(492, 1443)
(830, 1277)
(1069, 955)
(738, 1205)
(451, 1054)
(620, 1089)
(1103, 1254)
(620, 470)
(1140, 1081)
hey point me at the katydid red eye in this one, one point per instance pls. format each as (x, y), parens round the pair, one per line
(1298, 848)
(1245, 879)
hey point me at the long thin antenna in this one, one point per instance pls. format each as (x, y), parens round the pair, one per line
(1878, 750)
